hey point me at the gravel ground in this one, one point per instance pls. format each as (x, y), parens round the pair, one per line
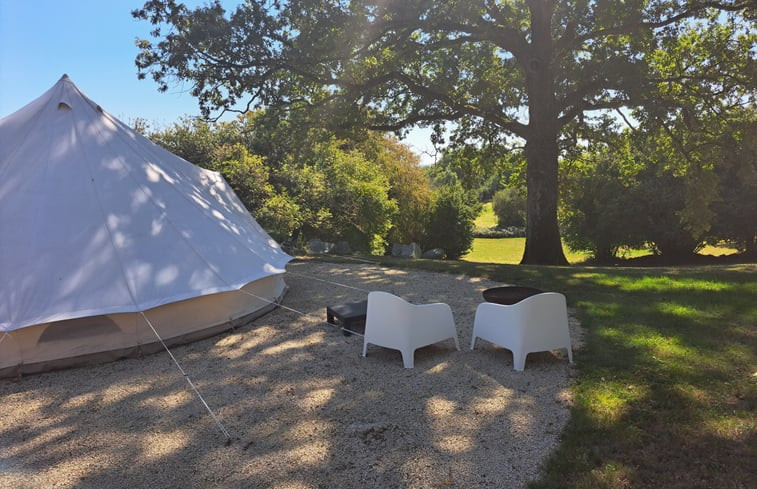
(303, 408)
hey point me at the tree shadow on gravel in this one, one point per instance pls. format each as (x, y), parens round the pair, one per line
(304, 409)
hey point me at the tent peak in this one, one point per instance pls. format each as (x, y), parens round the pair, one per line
(65, 77)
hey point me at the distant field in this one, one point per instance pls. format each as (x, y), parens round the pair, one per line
(487, 218)
(510, 250)
(717, 250)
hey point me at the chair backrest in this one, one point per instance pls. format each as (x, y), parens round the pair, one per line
(387, 312)
(546, 317)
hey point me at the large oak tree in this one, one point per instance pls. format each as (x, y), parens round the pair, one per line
(518, 70)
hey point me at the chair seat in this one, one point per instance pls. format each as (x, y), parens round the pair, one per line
(392, 322)
(537, 323)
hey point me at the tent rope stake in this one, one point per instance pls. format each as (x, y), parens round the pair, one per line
(189, 381)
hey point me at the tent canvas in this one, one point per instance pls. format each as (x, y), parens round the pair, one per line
(98, 225)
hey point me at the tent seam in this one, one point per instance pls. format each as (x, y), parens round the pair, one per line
(93, 184)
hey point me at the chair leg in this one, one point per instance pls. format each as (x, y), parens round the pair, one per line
(457, 343)
(570, 354)
(408, 358)
(519, 361)
(365, 347)
(473, 342)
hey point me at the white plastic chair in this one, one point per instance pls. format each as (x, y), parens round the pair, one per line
(537, 323)
(394, 323)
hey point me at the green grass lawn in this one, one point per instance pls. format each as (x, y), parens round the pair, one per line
(509, 251)
(487, 218)
(666, 393)
(718, 250)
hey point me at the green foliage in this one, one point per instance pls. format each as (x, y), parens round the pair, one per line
(357, 195)
(246, 173)
(441, 176)
(666, 183)
(408, 187)
(280, 216)
(599, 213)
(450, 224)
(509, 205)
(505, 72)
(293, 177)
(735, 207)
(660, 198)
(195, 140)
(615, 199)
(480, 170)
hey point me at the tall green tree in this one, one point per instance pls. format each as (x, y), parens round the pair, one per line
(524, 69)
(409, 187)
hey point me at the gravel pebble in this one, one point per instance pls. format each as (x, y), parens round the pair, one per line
(303, 408)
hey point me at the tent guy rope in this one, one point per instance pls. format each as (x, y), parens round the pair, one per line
(328, 281)
(278, 304)
(305, 314)
(189, 381)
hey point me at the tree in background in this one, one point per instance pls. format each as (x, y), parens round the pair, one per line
(597, 212)
(483, 170)
(509, 206)
(408, 187)
(195, 140)
(246, 173)
(735, 207)
(450, 224)
(667, 185)
(295, 177)
(356, 196)
(528, 69)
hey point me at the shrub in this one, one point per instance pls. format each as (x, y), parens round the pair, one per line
(660, 197)
(508, 232)
(599, 213)
(509, 205)
(451, 221)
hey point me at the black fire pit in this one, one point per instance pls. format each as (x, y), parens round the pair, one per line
(509, 294)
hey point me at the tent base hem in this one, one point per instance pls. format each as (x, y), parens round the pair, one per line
(135, 351)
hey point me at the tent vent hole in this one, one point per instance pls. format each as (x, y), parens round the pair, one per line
(64, 106)
(99, 109)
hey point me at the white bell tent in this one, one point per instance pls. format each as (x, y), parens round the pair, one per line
(101, 230)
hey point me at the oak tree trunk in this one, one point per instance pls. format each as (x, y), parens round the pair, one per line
(543, 244)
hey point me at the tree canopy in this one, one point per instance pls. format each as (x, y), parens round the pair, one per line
(534, 73)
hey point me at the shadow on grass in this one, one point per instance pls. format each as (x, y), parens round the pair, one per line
(667, 392)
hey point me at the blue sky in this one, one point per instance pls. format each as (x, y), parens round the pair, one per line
(93, 42)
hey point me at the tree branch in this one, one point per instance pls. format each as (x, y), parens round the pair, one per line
(630, 28)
